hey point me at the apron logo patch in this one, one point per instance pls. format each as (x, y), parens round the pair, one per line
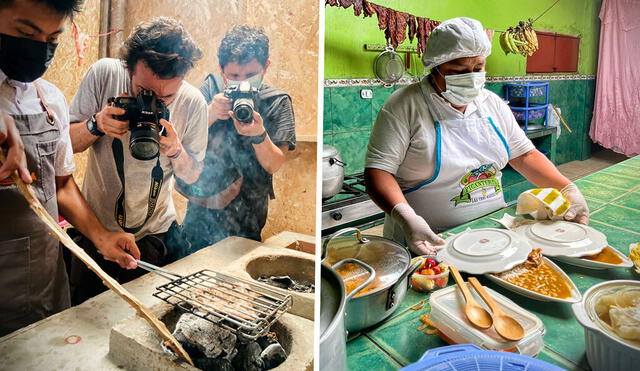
(478, 182)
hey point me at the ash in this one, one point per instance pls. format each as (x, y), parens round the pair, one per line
(287, 283)
(213, 347)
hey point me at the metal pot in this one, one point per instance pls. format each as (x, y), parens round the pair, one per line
(333, 337)
(392, 266)
(332, 171)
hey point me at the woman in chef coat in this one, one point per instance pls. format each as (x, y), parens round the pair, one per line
(437, 147)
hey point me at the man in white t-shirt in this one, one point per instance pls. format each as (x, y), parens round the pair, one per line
(437, 147)
(129, 193)
(34, 131)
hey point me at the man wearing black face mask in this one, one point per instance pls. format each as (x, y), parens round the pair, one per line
(231, 196)
(34, 129)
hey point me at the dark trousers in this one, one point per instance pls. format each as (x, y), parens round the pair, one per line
(202, 227)
(85, 284)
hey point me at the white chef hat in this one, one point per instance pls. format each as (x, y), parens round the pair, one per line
(455, 38)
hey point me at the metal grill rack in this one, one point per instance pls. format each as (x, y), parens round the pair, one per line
(246, 308)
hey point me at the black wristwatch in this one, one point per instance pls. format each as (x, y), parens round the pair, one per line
(92, 126)
(257, 139)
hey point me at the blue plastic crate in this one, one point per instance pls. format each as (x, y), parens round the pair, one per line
(534, 112)
(467, 357)
(527, 89)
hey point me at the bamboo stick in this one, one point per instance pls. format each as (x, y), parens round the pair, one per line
(561, 119)
(57, 232)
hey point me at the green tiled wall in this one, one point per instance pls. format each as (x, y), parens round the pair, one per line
(348, 120)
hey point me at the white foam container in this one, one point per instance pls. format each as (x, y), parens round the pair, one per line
(605, 350)
(447, 314)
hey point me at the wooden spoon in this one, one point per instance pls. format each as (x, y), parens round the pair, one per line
(476, 314)
(505, 325)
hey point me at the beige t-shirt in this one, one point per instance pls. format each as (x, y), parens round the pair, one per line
(188, 113)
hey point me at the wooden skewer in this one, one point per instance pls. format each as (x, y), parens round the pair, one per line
(561, 119)
(57, 232)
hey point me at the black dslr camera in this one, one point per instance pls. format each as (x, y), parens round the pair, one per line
(144, 113)
(245, 99)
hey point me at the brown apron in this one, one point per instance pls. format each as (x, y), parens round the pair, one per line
(33, 279)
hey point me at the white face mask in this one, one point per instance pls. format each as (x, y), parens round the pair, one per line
(255, 81)
(463, 88)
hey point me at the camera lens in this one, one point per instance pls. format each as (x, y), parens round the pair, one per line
(243, 110)
(144, 143)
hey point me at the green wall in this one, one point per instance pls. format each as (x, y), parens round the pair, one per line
(346, 34)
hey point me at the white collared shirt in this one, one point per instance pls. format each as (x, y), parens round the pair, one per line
(19, 98)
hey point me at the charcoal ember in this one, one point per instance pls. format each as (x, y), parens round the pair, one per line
(265, 341)
(248, 357)
(213, 364)
(210, 339)
(285, 282)
(273, 355)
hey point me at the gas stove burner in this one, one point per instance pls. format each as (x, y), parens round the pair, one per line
(351, 205)
(352, 186)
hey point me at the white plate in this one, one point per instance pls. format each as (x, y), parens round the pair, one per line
(575, 293)
(562, 238)
(479, 251)
(581, 262)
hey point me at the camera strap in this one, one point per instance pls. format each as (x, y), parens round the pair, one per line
(157, 176)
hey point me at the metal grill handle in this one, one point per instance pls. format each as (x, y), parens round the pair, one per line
(159, 271)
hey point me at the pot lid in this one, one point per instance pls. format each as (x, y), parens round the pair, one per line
(386, 257)
(329, 151)
(332, 298)
(484, 250)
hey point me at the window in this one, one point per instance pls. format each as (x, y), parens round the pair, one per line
(556, 53)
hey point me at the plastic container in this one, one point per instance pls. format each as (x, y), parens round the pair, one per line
(605, 350)
(427, 283)
(469, 357)
(447, 314)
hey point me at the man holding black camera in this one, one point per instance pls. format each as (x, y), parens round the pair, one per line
(251, 126)
(142, 124)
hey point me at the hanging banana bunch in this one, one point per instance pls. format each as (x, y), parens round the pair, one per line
(520, 39)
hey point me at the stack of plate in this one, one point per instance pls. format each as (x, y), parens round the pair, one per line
(570, 242)
(479, 251)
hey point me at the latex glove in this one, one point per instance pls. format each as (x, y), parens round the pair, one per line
(578, 210)
(420, 238)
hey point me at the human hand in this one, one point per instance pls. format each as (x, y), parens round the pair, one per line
(219, 108)
(170, 144)
(11, 143)
(119, 247)
(252, 129)
(420, 238)
(578, 210)
(110, 125)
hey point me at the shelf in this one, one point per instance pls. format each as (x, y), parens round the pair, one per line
(540, 132)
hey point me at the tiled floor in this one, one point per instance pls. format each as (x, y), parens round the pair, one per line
(613, 195)
(598, 161)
